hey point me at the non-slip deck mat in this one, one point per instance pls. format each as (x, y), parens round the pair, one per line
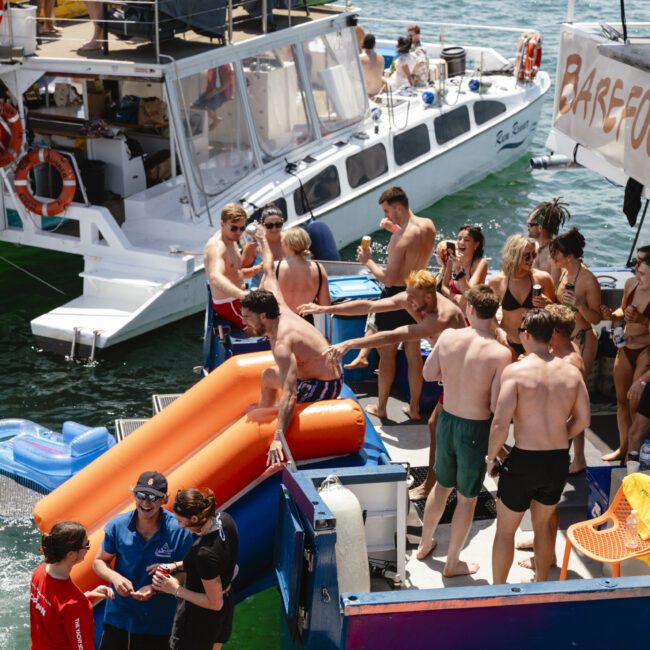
(486, 507)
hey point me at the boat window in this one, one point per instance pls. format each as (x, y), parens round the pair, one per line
(486, 110)
(452, 124)
(336, 80)
(277, 101)
(319, 190)
(366, 165)
(411, 144)
(215, 128)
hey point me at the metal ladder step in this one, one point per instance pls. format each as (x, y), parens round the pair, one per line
(161, 401)
(125, 427)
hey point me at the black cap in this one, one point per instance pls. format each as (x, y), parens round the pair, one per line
(152, 483)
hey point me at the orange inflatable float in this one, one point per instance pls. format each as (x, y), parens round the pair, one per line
(201, 439)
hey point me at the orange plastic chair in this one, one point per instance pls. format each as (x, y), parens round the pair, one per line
(607, 545)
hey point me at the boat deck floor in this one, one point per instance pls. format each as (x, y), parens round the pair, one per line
(74, 33)
(408, 441)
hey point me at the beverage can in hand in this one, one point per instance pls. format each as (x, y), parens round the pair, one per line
(366, 240)
(618, 336)
(537, 290)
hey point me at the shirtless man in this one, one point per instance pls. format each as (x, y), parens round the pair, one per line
(409, 249)
(373, 66)
(431, 313)
(562, 347)
(548, 401)
(544, 223)
(303, 372)
(470, 363)
(222, 259)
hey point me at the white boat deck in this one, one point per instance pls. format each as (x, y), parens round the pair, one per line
(407, 441)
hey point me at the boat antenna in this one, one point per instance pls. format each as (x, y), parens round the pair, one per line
(290, 168)
(636, 236)
(623, 22)
(47, 284)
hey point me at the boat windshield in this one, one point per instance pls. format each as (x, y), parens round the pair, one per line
(335, 76)
(277, 99)
(218, 136)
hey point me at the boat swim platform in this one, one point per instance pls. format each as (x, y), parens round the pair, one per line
(74, 33)
(408, 442)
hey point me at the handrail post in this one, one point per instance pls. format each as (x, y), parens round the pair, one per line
(157, 28)
(229, 22)
(265, 17)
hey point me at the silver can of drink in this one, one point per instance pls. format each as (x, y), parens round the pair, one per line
(537, 290)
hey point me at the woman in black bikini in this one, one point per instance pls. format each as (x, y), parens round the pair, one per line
(566, 252)
(301, 281)
(467, 268)
(632, 361)
(514, 285)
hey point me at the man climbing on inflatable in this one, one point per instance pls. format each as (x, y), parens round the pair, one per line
(303, 373)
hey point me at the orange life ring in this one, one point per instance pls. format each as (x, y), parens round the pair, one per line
(24, 191)
(11, 133)
(529, 56)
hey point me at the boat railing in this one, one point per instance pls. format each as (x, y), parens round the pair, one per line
(143, 21)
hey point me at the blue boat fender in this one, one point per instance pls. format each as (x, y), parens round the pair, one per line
(323, 244)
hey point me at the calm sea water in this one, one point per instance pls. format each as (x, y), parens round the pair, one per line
(49, 390)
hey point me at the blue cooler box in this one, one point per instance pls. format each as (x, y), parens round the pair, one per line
(342, 328)
(599, 480)
(431, 389)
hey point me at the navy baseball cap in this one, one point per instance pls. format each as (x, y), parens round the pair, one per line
(152, 483)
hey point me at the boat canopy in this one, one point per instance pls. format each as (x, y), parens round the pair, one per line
(244, 107)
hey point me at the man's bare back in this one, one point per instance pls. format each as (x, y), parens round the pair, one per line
(373, 70)
(547, 391)
(469, 363)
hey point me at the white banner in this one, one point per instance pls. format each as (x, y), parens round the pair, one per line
(603, 104)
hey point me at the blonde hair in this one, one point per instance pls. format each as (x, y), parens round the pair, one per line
(422, 279)
(298, 240)
(564, 319)
(513, 253)
(232, 212)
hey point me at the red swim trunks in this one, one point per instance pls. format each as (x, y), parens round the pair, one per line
(230, 310)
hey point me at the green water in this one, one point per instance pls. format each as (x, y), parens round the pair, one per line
(50, 390)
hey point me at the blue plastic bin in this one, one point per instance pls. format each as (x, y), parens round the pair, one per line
(599, 480)
(342, 328)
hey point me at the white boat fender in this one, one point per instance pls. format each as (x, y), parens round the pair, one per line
(352, 568)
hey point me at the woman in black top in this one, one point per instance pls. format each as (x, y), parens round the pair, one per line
(204, 613)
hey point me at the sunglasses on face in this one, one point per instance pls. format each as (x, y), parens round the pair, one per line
(638, 261)
(145, 496)
(522, 330)
(533, 224)
(85, 547)
(273, 224)
(237, 228)
(529, 257)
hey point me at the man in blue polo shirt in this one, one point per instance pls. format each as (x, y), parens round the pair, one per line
(140, 618)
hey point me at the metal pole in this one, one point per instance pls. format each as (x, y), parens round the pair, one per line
(230, 22)
(157, 27)
(570, 11)
(291, 464)
(265, 17)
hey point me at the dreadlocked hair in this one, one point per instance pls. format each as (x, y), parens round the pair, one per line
(551, 215)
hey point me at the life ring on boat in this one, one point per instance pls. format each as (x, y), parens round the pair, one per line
(11, 133)
(24, 191)
(529, 56)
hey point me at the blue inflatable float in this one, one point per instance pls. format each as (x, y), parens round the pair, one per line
(31, 452)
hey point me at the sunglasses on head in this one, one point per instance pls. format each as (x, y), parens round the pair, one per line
(273, 224)
(145, 496)
(237, 228)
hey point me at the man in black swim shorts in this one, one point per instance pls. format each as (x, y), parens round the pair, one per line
(547, 400)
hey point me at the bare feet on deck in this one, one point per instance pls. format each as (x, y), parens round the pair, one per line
(525, 544)
(615, 455)
(90, 46)
(373, 409)
(359, 362)
(418, 493)
(423, 551)
(411, 415)
(577, 465)
(460, 569)
(529, 563)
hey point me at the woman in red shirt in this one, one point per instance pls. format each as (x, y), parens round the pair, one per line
(60, 614)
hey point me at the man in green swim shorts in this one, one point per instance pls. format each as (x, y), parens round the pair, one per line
(469, 362)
